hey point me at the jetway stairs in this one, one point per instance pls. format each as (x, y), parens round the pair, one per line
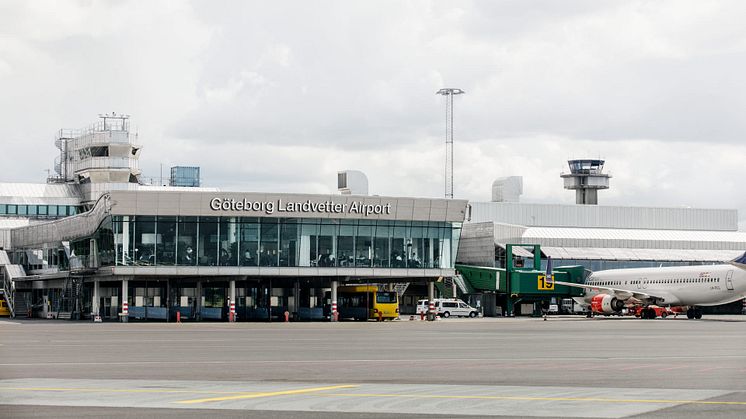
(8, 274)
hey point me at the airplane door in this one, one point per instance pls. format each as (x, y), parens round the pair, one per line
(729, 280)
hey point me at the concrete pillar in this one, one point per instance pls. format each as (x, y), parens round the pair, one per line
(95, 299)
(125, 291)
(45, 307)
(232, 300)
(198, 303)
(335, 284)
(431, 300)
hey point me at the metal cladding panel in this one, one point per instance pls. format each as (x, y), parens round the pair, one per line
(209, 203)
(477, 245)
(39, 193)
(596, 216)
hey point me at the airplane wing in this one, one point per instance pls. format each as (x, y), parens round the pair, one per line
(618, 293)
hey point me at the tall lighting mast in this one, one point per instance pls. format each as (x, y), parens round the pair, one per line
(449, 92)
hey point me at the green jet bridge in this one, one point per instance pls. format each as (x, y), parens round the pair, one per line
(515, 285)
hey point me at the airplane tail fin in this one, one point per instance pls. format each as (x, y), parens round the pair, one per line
(739, 262)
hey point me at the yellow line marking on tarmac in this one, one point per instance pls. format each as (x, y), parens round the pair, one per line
(526, 398)
(267, 394)
(121, 390)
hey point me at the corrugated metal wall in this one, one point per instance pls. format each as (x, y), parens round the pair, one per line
(557, 215)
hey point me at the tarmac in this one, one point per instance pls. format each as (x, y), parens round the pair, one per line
(515, 367)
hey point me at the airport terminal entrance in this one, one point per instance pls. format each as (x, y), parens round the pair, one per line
(209, 299)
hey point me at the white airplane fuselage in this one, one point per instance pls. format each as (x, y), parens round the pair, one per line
(701, 285)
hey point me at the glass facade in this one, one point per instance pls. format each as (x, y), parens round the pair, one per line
(280, 242)
(185, 176)
(39, 211)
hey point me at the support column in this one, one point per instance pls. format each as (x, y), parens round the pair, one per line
(334, 313)
(232, 301)
(296, 299)
(95, 299)
(431, 300)
(198, 303)
(125, 298)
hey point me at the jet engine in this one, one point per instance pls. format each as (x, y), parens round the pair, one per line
(606, 304)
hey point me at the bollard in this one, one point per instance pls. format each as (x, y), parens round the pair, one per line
(178, 316)
(422, 316)
(287, 316)
(232, 311)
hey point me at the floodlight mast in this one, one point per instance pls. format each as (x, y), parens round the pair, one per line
(449, 92)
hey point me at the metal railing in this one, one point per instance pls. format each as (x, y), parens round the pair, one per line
(7, 290)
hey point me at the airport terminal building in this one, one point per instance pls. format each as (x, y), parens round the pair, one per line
(153, 251)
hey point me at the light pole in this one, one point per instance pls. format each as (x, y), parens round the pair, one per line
(449, 92)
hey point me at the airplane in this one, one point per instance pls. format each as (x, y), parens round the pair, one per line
(609, 291)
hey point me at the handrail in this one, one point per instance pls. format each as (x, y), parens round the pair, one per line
(8, 290)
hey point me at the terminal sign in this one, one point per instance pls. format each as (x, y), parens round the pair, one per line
(307, 206)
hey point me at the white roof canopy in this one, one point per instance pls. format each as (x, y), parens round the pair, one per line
(673, 255)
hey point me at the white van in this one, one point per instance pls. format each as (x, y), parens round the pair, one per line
(447, 307)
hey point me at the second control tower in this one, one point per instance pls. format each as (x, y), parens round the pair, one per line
(586, 177)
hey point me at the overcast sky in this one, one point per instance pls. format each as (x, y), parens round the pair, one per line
(279, 96)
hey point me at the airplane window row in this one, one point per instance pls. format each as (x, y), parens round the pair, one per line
(656, 281)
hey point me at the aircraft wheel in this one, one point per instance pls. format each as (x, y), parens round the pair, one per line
(690, 314)
(697, 314)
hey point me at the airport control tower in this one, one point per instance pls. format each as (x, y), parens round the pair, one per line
(586, 177)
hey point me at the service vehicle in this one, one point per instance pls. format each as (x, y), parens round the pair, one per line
(447, 307)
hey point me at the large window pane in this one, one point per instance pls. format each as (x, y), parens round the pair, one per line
(364, 244)
(381, 251)
(268, 255)
(399, 246)
(208, 241)
(309, 243)
(346, 244)
(104, 244)
(249, 244)
(124, 230)
(289, 242)
(416, 245)
(165, 253)
(229, 229)
(145, 240)
(187, 245)
(327, 243)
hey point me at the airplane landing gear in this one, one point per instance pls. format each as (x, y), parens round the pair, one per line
(694, 313)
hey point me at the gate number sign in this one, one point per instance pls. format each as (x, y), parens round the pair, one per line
(545, 285)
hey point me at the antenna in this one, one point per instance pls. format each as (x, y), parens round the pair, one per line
(449, 92)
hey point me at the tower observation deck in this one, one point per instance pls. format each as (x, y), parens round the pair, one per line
(586, 177)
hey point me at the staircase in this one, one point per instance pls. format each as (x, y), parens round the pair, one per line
(22, 305)
(8, 273)
(69, 306)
